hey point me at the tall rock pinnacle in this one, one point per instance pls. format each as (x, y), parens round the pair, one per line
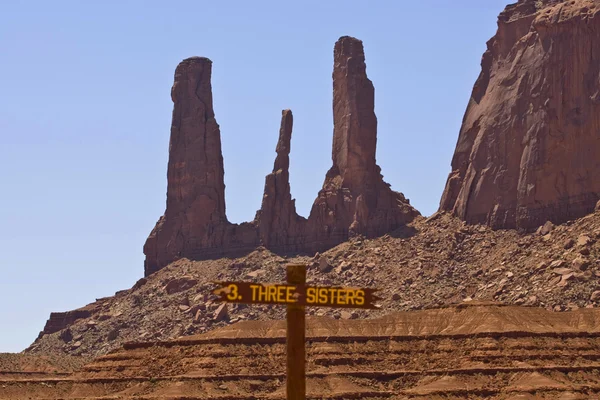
(282, 162)
(195, 184)
(354, 198)
(277, 219)
(529, 144)
(355, 123)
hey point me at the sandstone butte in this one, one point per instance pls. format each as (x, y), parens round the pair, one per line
(354, 199)
(529, 146)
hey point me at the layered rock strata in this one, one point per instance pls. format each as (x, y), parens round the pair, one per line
(354, 200)
(529, 146)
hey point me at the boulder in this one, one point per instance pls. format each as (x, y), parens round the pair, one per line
(66, 335)
(545, 229)
(221, 313)
(324, 265)
(113, 334)
(180, 284)
(583, 240)
(581, 263)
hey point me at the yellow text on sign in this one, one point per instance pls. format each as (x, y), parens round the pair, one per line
(233, 292)
(339, 296)
(273, 293)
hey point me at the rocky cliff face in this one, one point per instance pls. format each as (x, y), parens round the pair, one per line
(354, 199)
(529, 146)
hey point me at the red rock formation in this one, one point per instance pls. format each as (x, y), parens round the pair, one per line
(278, 222)
(60, 320)
(195, 185)
(529, 145)
(354, 198)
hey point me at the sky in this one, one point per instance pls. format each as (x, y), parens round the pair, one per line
(85, 114)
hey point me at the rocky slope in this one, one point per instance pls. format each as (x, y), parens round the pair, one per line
(529, 144)
(354, 200)
(429, 263)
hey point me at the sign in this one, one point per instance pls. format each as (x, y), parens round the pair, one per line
(319, 296)
(296, 295)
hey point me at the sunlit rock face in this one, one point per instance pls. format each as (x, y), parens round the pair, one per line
(529, 146)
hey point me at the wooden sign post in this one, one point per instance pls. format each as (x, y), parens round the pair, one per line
(296, 295)
(296, 329)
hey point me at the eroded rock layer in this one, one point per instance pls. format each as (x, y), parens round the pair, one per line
(529, 146)
(468, 351)
(354, 199)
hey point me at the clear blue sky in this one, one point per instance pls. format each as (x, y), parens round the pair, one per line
(85, 114)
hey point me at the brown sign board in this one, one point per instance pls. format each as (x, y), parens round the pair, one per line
(300, 294)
